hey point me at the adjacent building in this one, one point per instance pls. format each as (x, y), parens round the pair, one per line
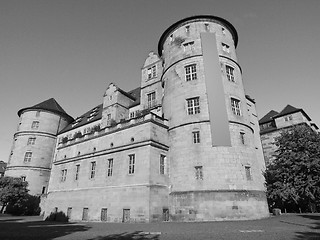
(274, 122)
(183, 146)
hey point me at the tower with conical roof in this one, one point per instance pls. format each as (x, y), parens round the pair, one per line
(34, 143)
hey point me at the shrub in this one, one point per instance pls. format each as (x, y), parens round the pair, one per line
(64, 140)
(78, 135)
(27, 206)
(57, 217)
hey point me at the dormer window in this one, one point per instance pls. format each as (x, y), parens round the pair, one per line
(188, 46)
(77, 121)
(152, 72)
(225, 47)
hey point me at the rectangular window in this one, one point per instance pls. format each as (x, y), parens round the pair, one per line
(152, 72)
(242, 137)
(27, 156)
(230, 73)
(235, 106)
(77, 172)
(31, 141)
(131, 163)
(196, 136)
(38, 114)
(23, 178)
(43, 190)
(193, 105)
(188, 46)
(248, 172)
(92, 170)
(110, 167)
(162, 164)
(104, 216)
(151, 97)
(225, 47)
(198, 172)
(191, 72)
(63, 175)
(35, 125)
(132, 115)
(69, 211)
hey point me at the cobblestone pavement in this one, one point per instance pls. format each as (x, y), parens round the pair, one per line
(302, 226)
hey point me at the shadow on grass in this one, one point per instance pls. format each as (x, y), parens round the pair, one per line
(138, 235)
(12, 229)
(314, 232)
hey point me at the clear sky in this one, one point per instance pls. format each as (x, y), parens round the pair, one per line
(72, 49)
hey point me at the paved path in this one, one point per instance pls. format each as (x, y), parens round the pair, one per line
(282, 227)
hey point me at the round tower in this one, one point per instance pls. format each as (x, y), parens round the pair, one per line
(215, 168)
(34, 143)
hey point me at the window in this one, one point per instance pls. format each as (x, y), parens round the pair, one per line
(196, 136)
(63, 175)
(162, 164)
(152, 72)
(188, 46)
(110, 167)
(38, 114)
(27, 156)
(23, 178)
(69, 211)
(43, 190)
(199, 173)
(193, 106)
(35, 125)
(288, 118)
(230, 73)
(85, 215)
(235, 106)
(248, 172)
(77, 172)
(132, 115)
(191, 72)
(31, 141)
(223, 31)
(151, 97)
(242, 137)
(187, 29)
(92, 170)
(206, 27)
(131, 163)
(225, 47)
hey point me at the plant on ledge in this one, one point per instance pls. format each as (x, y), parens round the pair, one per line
(78, 135)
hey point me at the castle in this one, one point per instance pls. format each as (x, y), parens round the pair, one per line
(184, 146)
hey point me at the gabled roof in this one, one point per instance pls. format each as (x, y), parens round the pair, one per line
(50, 105)
(268, 117)
(290, 109)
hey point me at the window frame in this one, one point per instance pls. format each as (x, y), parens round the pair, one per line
(27, 156)
(248, 173)
(230, 73)
(76, 177)
(93, 166)
(31, 141)
(193, 105)
(190, 72)
(198, 172)
(131, 165)
(151, 99)
(63, 175)
(242, 138)
(35, 125)
(196, 136)
(162, 164)
(110, 167)
(235, 106)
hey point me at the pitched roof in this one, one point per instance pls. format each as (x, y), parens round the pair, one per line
(268, 117)
(290, 109)
(50, 105)
(96, 112)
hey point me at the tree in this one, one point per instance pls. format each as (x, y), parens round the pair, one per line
(12, 190)
(293, 178)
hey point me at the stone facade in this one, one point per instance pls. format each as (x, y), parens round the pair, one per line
(184, 146)
(273, 123)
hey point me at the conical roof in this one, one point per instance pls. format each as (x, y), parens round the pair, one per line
(50, 105)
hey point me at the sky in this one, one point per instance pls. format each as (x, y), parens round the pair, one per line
(72, 50)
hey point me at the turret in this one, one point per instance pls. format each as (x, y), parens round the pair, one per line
(34, 143)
